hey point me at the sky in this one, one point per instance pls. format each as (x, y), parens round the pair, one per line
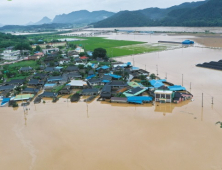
(21, 12)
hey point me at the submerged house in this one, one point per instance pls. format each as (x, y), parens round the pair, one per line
(89, 92)
(30, 91)
(135, 91)
(106, 92)
(48, 95)
(77, 84)
(163, 96)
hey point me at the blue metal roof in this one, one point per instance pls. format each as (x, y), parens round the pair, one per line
(156, 83)
(139, 99)
(114, 76)
(89, 77)
(176, 88)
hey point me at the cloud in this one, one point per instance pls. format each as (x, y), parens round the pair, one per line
(23, 11)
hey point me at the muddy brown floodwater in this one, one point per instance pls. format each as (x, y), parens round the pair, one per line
(107, 136)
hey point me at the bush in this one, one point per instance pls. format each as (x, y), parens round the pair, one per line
(15, 105)
(43, 101)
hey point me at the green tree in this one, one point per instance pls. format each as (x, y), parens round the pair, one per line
(38, 48)
(153, 76)
(82, 54)
(99, 52)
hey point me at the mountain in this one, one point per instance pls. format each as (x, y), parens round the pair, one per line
(30, 23)
(44, 20)
(1, 25)
(202, 13)
(82, 17)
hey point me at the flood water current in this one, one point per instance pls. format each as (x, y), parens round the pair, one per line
(105, 136)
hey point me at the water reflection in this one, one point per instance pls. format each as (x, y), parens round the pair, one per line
(168, 107)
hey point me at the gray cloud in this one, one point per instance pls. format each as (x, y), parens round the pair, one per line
(24, 11)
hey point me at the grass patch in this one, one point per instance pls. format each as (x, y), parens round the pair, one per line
(20, 64)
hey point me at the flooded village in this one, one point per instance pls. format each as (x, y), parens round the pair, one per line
(153, 110)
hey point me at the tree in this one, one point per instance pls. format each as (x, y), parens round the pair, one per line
(38, 48)
(99, 52)
(153, 76)
(82, 54)
(81, 66)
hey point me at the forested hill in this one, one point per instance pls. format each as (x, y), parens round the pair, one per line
(82, 16)
(202, 13)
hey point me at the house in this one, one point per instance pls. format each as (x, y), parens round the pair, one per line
(23, 97)
(75, 97)
(17, 82)
(135, 91)
(157, 83)
(40, 76)
(49, 51)
(77, 84)
(163, 96)
(177, 97)
(49, 86)
(26, 69)
(177, 88)
(64, 61)
(53, 69)
(139, 99)
(65, 90)
(7, 88)
(91, 72)
(72, 75)
(48, 95)
(57, 79)
(79, 50)
(33, 57)
(89, 92)
(83, 58)
(117, 84)
(72, 69)
(106, 92)
(30, 91)
(10, 54)
(134, 84)
(95, 81)
(35, 82)
(106, 78)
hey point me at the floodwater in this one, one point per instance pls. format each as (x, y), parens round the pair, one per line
(107, 136)
(163, 29)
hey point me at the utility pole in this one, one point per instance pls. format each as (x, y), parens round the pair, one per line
(182, 79)
(212, 100)
(202, 99)
(157, 70)
(145, 66)
(190, 85)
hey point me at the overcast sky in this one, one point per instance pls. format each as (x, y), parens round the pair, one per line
(24, 11)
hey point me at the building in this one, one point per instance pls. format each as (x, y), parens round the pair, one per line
(10, 54)
(163, 96)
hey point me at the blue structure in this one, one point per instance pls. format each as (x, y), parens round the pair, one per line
(188, 42)
(89, 77)
(103, 67)
(89, 53)
(5, 101)
(114, 76)
(157, 83)
(139, 99)
(177, 88)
